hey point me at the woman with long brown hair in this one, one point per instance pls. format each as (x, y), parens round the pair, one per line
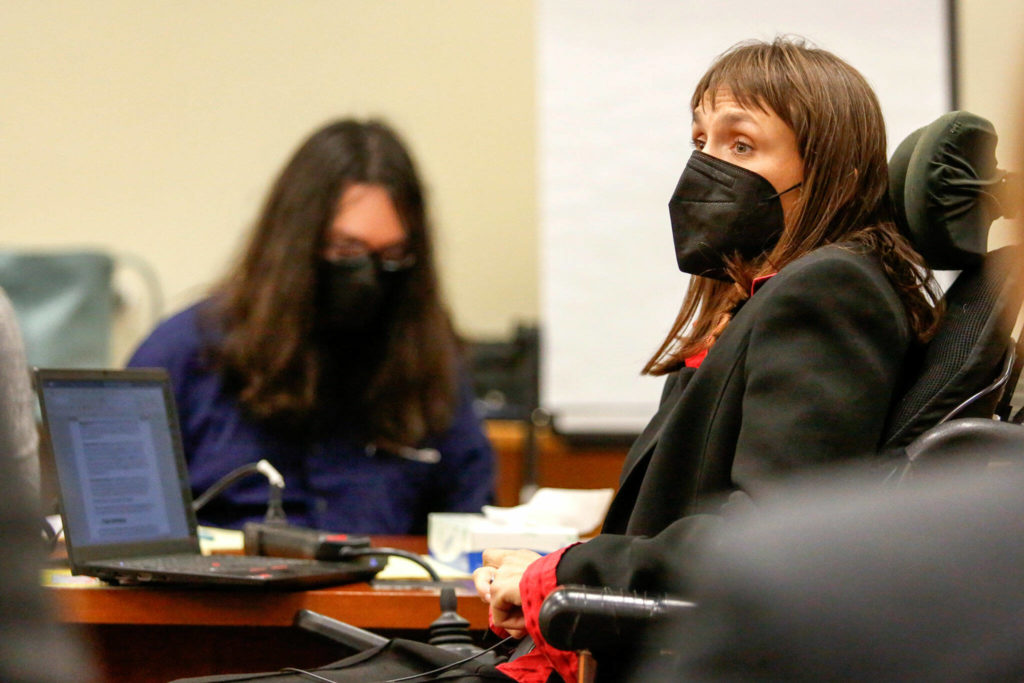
(789, 347)
(327, 351)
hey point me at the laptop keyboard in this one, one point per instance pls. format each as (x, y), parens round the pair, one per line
(229, 564)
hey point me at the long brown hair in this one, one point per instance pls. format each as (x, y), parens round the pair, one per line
(844, 197)
(264, 308)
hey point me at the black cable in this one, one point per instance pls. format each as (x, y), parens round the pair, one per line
(447, 667)
(432, 672)
(303, 672)
(222, 483)
(368, 552)
(275, 507)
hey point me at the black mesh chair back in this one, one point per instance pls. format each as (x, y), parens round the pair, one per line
(965, 366)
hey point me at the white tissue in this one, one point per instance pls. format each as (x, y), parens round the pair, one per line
(579, 509)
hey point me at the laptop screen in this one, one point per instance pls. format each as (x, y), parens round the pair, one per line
(122, 477)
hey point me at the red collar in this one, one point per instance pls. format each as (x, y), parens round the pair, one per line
(758, 281)
(696, 359)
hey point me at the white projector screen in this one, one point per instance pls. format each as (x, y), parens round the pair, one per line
(614, 83)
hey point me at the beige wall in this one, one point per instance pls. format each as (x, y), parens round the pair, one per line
(153, 127)
(991, 39)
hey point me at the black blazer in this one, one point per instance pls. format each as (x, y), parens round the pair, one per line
(803, 375)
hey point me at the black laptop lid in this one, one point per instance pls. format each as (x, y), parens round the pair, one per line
(121, 471)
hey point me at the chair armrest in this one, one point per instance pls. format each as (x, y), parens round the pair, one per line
(595, 619)
(968, 441)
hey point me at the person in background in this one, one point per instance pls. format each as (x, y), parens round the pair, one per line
(327, 351)
(789, 347)
(19, 435)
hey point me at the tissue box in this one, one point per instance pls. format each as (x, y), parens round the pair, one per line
(459, 538)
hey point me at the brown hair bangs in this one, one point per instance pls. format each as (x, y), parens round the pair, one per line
(839, 130)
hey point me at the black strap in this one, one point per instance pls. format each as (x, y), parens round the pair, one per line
(524, 646)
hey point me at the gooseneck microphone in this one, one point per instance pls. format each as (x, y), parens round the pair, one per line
(275, 507)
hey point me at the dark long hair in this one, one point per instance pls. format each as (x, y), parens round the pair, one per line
(264, 308)
(844, 197)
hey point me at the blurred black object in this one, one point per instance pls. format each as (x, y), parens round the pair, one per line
(842, 579)
(506, 375)
(847, 582)
(34, 647)
(506, 383)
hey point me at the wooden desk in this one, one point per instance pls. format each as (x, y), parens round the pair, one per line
(560, 462)
(160, 633)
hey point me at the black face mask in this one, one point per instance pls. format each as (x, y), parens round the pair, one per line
(354, 296)
(719, 210)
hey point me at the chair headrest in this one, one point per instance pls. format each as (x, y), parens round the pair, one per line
(945, 187)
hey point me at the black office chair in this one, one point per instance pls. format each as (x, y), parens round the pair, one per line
(947, 190)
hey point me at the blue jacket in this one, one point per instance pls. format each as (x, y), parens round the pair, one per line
(331, 482)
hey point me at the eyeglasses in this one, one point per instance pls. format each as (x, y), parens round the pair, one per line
(394, 258)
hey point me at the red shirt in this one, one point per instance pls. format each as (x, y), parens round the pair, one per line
(534, 667)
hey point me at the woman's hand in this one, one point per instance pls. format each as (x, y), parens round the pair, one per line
(497, 582)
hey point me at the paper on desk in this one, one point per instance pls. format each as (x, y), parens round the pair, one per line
(579, 509)
(64, 578)
(216, 540)
(56, 523)
(399, 568)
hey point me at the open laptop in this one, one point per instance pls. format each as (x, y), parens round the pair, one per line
(125, 499)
